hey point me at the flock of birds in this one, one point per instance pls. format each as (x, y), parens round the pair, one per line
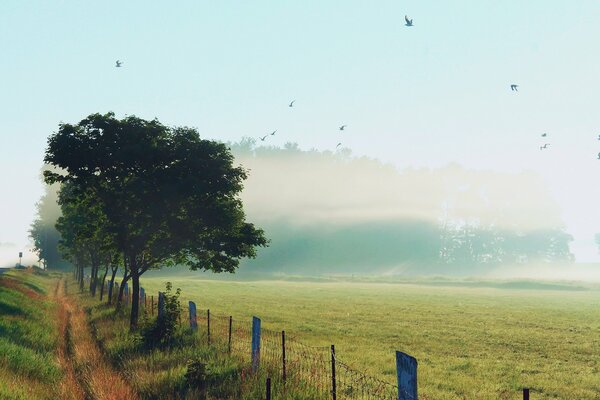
(409, 23)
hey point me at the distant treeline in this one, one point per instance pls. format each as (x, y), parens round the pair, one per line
(332, 212)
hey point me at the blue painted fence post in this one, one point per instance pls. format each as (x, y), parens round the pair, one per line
(255, 343)
(126, 293)
(406, 368)
(193, 318)
(161, 304)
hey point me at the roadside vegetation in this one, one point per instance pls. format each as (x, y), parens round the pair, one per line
(182, 366)
(28, 336)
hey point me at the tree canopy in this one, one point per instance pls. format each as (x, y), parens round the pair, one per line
(165, 195)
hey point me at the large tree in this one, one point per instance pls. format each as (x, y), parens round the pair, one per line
(168, 196)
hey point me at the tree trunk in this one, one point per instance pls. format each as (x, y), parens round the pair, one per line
(135, 298)
(103, 282)
(121, 291)
(81, 277)
(111, 285)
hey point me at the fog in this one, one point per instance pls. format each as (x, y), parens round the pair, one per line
(331, 212)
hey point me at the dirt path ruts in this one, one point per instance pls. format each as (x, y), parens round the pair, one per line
(87, 374)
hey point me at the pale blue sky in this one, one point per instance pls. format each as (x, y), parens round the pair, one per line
(422, 96)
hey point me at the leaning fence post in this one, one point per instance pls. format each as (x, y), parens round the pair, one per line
(525, 394)
(208, 325)
(193, 319)
(333, 380)
(406, 369)
(161, 305)
(255, 343)
(229, 340)
(284, 375)
(268, 388)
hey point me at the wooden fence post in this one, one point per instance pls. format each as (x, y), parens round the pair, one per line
(161, 305)
(143, 297)
(193, 318)
(268, 388)
(406, 370)
(229, 340)
(152, 304)
(255, 344)
(208, 325)
(284, 373)
(333, 379)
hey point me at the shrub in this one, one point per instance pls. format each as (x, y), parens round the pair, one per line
(161, 331)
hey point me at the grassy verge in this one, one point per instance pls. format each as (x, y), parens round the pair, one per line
(184, 369)
(28, 336)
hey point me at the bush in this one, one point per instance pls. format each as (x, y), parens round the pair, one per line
(161, 331)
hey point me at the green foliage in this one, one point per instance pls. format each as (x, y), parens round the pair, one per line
(162, 330)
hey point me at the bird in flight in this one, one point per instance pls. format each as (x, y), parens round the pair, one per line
(292, 103)
(514, 87)
(118, 64)
(338, 145)
(545, 146)
(273, 133)
(408, 21)
(263, 138)
(343, 127)
(544, 134)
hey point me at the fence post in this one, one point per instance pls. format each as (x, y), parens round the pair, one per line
(208, 325)
(161, 305)
(268, 388)
(193, 319)
(333, 379)
(229, 340)
(255, 344)
(143, 297)
(406, 369)
(525, 394)
(126, 293)
(152, 304)
(284, 375)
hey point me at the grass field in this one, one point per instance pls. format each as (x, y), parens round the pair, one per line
(471, 342)
(28, 337)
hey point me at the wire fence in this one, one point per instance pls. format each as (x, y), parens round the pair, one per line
(291, 365)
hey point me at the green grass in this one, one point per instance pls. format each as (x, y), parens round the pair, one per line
(159, 373)
(28, 337)
(471, 342)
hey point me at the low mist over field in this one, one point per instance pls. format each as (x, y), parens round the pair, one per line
(332, 212)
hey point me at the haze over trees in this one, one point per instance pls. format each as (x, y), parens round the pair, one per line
(43, 231)
(332, 212)
(158, 196)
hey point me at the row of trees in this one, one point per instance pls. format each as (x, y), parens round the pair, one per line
(138, 195)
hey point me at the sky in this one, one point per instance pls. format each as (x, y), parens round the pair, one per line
(424, 96)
